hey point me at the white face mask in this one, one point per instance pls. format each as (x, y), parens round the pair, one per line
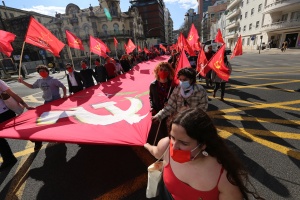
(185, 84)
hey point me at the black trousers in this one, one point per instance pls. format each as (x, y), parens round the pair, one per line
(217, 86)
(5, 150)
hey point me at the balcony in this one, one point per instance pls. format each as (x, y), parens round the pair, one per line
(282, 25)
(231, 35)
(281, 5)
(233, 13)
(233, 24)
(115, 33)
(233, 3)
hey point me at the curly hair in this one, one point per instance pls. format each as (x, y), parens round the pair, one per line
(164, 65)
(188, 72)
(199, 126)
(39, 67)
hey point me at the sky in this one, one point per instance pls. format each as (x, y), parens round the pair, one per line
(177, 8)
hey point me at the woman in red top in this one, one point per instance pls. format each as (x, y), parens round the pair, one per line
(199, 165)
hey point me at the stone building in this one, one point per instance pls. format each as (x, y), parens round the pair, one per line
(96, 22)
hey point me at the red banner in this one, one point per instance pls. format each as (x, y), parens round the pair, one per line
(182, 63)
(130, 46)
(163, 48)
(219, 37)
(74, 41)
(193, 37)
(39, 36)
(111, 113)
(202, 61)
(5, 42)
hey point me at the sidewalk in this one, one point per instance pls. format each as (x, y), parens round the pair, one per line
(35, 76)
(272, 51)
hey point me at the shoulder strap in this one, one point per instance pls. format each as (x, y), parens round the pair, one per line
(221, 172)
(163, 154)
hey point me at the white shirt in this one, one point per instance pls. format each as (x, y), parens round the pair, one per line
(72, 79)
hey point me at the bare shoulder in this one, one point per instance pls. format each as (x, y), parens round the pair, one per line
(163, 144)
(228, 190)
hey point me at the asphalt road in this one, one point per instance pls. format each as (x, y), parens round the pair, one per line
(259, 119)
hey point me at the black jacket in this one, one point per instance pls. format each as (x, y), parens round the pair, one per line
(79, 81)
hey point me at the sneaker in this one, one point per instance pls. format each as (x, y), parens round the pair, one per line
(7, 164)
(214, 94)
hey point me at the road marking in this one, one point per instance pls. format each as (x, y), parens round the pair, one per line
(277, 147)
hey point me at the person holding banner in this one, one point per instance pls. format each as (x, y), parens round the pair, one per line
(50, 87)
(75, 82)
(5, 114)
(187, 94)
(160, 90)
(198, 163)
(100, 71)
(87, 75)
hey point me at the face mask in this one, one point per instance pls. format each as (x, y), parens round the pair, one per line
(163, 74)
(185, 84)
(97, 63)
(70, 70)
(182, 156)
(43, 74)
(83, 66)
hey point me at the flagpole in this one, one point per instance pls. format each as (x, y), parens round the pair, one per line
(90, 59)
(70, 54)
(116, 52)
(20, 64)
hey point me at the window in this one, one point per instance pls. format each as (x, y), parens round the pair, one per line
(259, 7)
(246, 13)
(247, 1)
(295, 15)
(244, 29)
(116, 28)
(284, 17)
(239, 29)
(241, 17)
(243, 41)
(248, 41)
(252, 11)
(257, 24)
(250, 26)
(242, 4)
(11, 15)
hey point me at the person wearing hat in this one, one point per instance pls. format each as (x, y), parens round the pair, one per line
(50, 87)
(75, 82)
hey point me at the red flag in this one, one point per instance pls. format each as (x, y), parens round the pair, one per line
(104, 45)
(39, 36)
(219, 37)
(217, 64)
(193, 37)
(146, 50)
(116, 42)
(182, 63)
(74, 41)
(238, 49)
(97, 47)
(139, 49)
(125, 47)
(130, 46)
(183, 44)
(162, 47)
(102, 114)
(5, 42)
(202, 61)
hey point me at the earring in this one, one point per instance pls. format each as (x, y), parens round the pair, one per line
(204, 153)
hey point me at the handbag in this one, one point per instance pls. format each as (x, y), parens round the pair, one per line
(11, 103)
(155, 177)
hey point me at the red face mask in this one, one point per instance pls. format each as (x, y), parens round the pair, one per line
(70, 69)
(181, 156)
(163, 74)
(83, 66)
(97, 63)
(43, 74)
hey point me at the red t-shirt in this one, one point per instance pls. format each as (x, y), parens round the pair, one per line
(110, 68)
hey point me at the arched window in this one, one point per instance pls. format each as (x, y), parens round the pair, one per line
(104, 27)
(113, 9)
(116, 28)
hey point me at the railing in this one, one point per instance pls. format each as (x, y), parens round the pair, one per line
(233, 13)
(232, 24)
(279, 4)
(233, 3)
(281, 25)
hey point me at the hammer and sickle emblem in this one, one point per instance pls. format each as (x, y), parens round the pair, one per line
(86, 117)
(191, 37)
(217, 64)
(77, 41)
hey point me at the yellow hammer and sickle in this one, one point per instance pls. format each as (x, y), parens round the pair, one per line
(191, 37)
